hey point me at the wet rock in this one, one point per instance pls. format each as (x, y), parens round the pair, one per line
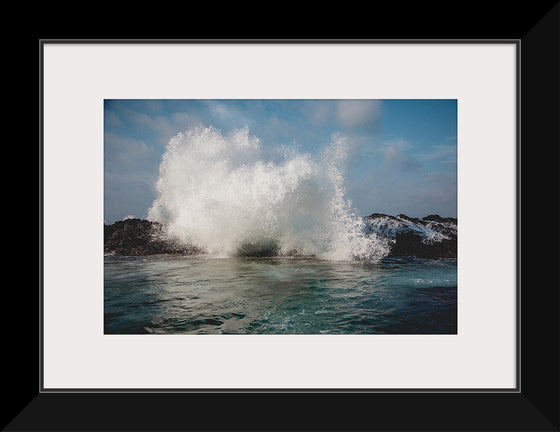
(142, 237)
(411, 244)
(432, 236)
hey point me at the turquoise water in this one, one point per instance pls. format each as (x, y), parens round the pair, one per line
(198, 295)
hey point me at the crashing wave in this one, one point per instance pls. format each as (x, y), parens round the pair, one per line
(230, 195)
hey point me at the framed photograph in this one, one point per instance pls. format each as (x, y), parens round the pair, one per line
(254, 223)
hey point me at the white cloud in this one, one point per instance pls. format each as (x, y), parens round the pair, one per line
(357, 112)
(394, 157)
(317, 112)
(164, 127)
(227, 115)
(442, 153)
(122, 152)
(415, 195)
(130, 169)
(111, 119)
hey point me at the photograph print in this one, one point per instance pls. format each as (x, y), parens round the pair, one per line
(280, 216)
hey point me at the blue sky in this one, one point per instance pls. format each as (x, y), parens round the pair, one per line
(402, 158)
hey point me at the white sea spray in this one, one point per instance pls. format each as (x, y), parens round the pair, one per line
(228, 193)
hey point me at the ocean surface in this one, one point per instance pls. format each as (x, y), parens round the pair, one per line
(168, 294)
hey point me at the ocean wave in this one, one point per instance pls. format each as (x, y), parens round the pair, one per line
(230, 196)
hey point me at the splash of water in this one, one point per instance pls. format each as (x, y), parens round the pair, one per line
(232, 196)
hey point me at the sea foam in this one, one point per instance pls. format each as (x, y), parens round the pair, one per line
(231, 195)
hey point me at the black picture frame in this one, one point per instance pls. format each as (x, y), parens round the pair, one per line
(532, 406)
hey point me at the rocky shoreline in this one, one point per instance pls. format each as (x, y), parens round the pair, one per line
(429, 237)
(134, 237)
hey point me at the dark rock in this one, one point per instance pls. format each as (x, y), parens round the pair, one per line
(142, 237)
(411, 244)
(264, 248)
(432, 236)
(438, 218)
(379, 215)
